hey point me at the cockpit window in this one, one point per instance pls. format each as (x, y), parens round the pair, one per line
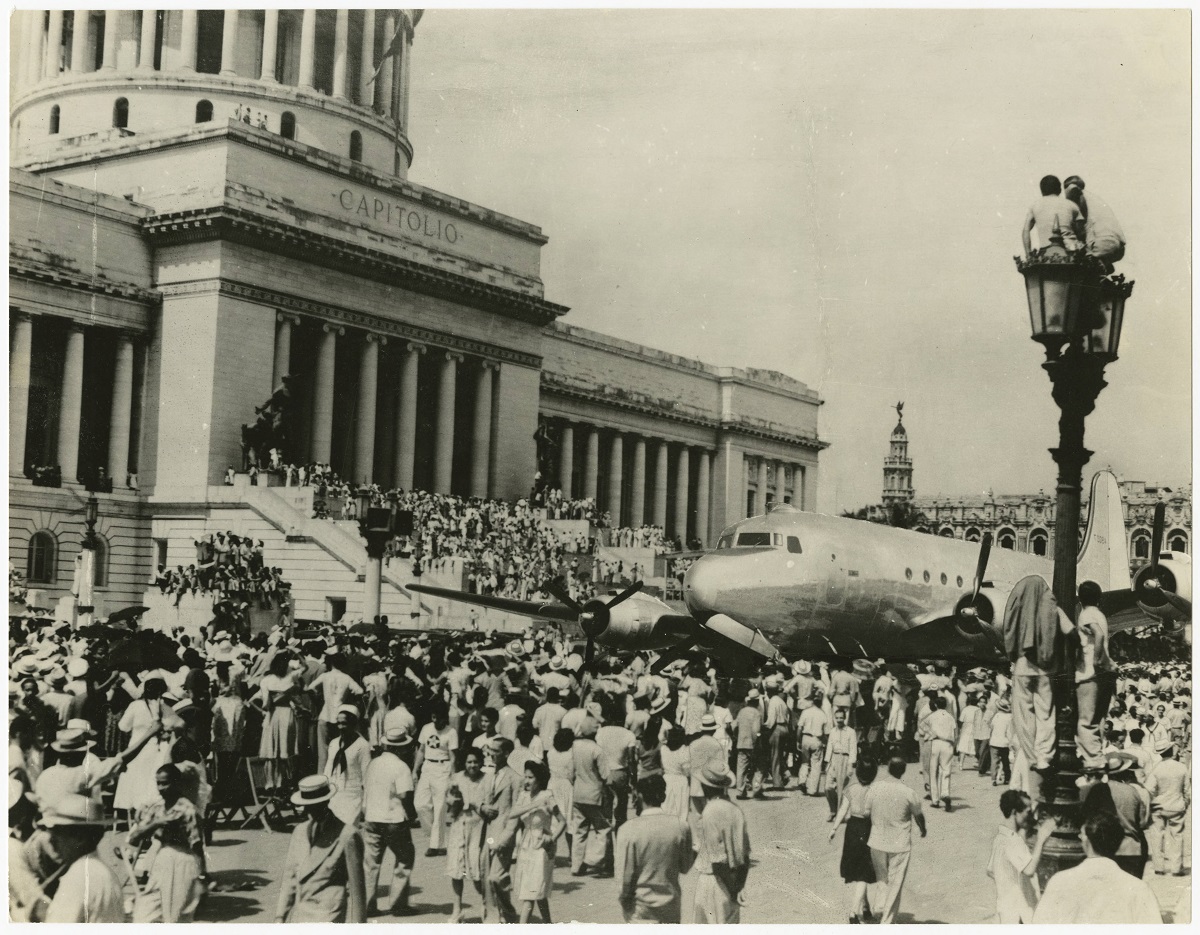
(793, 544)
(754, 538)
(725, 542)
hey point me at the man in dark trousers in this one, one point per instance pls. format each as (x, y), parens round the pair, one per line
(653, 851)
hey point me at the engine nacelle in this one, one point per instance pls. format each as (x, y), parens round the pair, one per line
(1174, 574)
(988, 609)
(634, 625)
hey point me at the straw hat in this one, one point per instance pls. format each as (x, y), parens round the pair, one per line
(708, 724)
(801, 667)
(752, 695)
(660, 704)
(72, 741)
(557, 664)
(77, 668)
(74, 811)
(397, 737)
(715, 777)
(312, 790)
(515, 650)
(863, 668)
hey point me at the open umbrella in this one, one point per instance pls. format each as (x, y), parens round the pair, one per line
(127, 613)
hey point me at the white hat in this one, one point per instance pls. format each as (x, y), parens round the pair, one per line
(77, 668)
(73, 810)
(312, 790)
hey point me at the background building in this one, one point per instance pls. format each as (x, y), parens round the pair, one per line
(204, 201)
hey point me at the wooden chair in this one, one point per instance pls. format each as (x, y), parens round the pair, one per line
(263, 806)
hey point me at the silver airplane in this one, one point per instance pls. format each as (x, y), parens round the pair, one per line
(790, 584)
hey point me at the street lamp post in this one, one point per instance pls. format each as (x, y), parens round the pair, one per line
(84, 598)
(376, 524)
(1071, 306)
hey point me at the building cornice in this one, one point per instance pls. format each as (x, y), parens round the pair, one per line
(226, 223)
(557, 385)
(25, 267)
(323, 311)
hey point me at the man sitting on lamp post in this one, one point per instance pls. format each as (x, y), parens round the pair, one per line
(1059, 222)
(1103, 235)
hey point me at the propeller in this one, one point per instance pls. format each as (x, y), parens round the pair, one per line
(1160, 522)
(969, 611)
(594, 615)
(1156, 584)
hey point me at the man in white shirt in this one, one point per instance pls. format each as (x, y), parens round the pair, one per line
(1059, 222)
(388, 814)
(88, 891)
(1167, 783)
(893, 809)
(1098, 891)
(436, 747)
(1012, 866)
(335, 685)
(1095, 676)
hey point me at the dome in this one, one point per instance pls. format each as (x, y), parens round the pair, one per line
(898, 431)
(335, 80)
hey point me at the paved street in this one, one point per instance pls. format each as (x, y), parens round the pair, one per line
(794, 878)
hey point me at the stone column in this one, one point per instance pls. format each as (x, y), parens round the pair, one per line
(79, 41)
(149, 35)
(70, 409)
(637, 496)
(660, 486)
(481, 434)
(368, 386)
(404, 81)
(743, 509)
(112, 32)
(19, 364)
(308, 44)
(616, 468)
(703, 495)
(366, 67)
(283, 348)
(799, 494)
(387, 67)
(188, 38)
(34, 61)
(322, 424)
(406, 417)
(54, 44)
(566, 459)
(681, 496)
(122, 412)
(591, 465)
(443, 469)
(229, 35)
(780, 482)
(270, 44)
(341, 39)
(760, 497)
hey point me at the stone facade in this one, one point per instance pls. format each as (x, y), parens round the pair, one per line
(168, 266)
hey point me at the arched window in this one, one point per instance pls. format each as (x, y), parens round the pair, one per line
(39, 567)
(1007, 539)
(1038, 540)
(972, 535)
(287, 125)
(947, 533)
(356, 146)
(55, 113)
(121, 113)
(1141, 544)
(100, 571)
(1178, 541)
(203, 111)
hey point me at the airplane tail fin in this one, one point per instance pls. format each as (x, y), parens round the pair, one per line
(1104, 557)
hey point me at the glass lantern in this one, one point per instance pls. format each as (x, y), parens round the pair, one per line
(1054, 287)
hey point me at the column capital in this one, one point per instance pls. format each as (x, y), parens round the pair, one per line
(333, 329)
(415, 347)
(76, 326)
(18, 315)
(372, 338)
(454, 356)
(282, 317)
(489, 365)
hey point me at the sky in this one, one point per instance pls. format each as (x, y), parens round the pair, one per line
(838, 195)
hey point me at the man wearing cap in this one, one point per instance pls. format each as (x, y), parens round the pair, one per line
(1167, 784)
(57, 697)
(79, 771)
(722, 846)
(1103, 234)
(703, 752)
(323, 871)
(748, 741)
(346, 766)
(88, 890)
(388, 816)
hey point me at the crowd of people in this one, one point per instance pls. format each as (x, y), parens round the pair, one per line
(229, 567)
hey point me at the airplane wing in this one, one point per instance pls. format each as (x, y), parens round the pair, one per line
(1121, 609)
(941, 638)
(540, 610)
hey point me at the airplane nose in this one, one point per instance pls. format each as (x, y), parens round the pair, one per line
(701, 586)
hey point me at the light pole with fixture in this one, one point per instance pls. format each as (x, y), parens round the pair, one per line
(1076, 313)
(376, 524)
(84, 599)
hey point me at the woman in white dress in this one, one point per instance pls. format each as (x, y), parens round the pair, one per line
(136, 787)
(540, 825)
(279, 743)
(676, 762)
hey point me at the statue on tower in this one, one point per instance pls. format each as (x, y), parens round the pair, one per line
(899, 407)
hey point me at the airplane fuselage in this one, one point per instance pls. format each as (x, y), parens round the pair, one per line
(821, 585)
